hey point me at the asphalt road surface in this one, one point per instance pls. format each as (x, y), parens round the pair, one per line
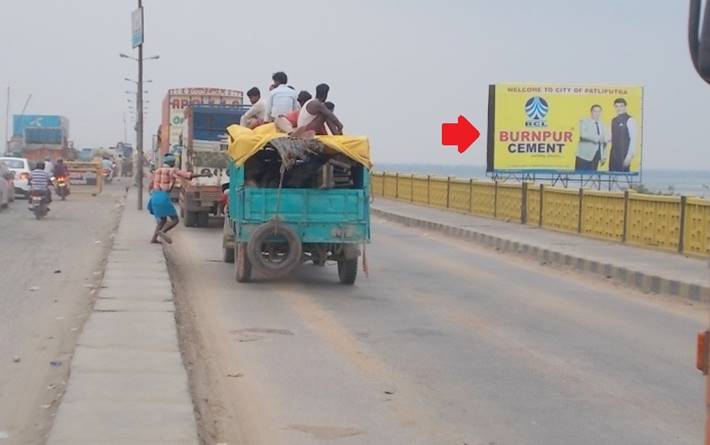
(444, 343)
(48, 269)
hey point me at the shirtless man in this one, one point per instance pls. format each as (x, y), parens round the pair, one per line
(315, 115)
(303, 97)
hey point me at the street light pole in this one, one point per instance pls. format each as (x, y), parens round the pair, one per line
(139, 106)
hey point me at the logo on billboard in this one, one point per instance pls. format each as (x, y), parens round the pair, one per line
(536, 109)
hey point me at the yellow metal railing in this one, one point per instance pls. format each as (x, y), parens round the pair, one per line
(662, 222)
(696, 236)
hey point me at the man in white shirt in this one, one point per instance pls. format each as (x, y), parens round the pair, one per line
(256, 115)
(623, 138)
(282, 100)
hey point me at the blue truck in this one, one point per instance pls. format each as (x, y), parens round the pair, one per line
(205, 144)
(287, 207)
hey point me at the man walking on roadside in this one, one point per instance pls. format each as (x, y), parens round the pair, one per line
(160, 205)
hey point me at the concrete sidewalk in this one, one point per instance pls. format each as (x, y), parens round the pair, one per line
(128, 384)
(644, 269)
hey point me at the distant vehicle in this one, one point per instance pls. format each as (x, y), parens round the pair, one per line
(21, 169)
(85, 154)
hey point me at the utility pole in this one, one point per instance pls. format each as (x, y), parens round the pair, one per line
(7, 122)
(125, 130)
(139, 109)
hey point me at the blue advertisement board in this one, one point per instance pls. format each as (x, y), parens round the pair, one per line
(20, 122)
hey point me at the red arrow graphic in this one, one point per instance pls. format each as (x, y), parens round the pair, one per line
(461, 134)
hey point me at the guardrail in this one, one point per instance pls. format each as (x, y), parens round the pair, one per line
(670, 223)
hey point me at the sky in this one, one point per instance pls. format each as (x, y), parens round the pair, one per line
(397, 70)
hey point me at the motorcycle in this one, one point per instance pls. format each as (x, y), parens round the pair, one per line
(108, 175)
(61, 184)
(38, 204)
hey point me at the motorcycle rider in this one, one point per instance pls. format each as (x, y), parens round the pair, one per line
(107, 165)
(61, 171)
(40, 181)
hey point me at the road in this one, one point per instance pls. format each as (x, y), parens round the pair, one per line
(444, 343)
(48, 270)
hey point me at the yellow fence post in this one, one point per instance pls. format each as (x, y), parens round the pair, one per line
(411, 187)
(579, 213)
(448, 192)
(396, 186)
(495, 199)
(428, 190)
(542, 203)
(626, 216)
(683, 205)
(524, 203)
(470, 196)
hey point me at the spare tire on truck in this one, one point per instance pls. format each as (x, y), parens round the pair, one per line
(274, 249)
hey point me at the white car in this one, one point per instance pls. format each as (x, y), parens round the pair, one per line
(21, 168)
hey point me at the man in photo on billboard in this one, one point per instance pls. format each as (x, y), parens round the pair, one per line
(593, 138)
(623, 138)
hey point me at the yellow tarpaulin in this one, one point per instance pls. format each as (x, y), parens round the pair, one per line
(246, 142)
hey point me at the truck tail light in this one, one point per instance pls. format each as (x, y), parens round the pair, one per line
(701, 357)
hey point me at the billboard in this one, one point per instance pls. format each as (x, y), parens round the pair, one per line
(570, 128)
(174, 106)
(22, 121)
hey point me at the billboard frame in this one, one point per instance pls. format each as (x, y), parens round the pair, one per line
(556, 175)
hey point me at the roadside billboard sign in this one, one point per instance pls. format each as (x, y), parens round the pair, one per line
(137, 27)
(565, 128)
(22, 121)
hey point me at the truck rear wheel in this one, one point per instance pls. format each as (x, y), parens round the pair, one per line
(242, 265)
(228, 255)
(190, 218)
(203, 219)
(347, 271)
(274, 249)
(228, 241)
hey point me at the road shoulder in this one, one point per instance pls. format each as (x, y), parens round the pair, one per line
(128, 383)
